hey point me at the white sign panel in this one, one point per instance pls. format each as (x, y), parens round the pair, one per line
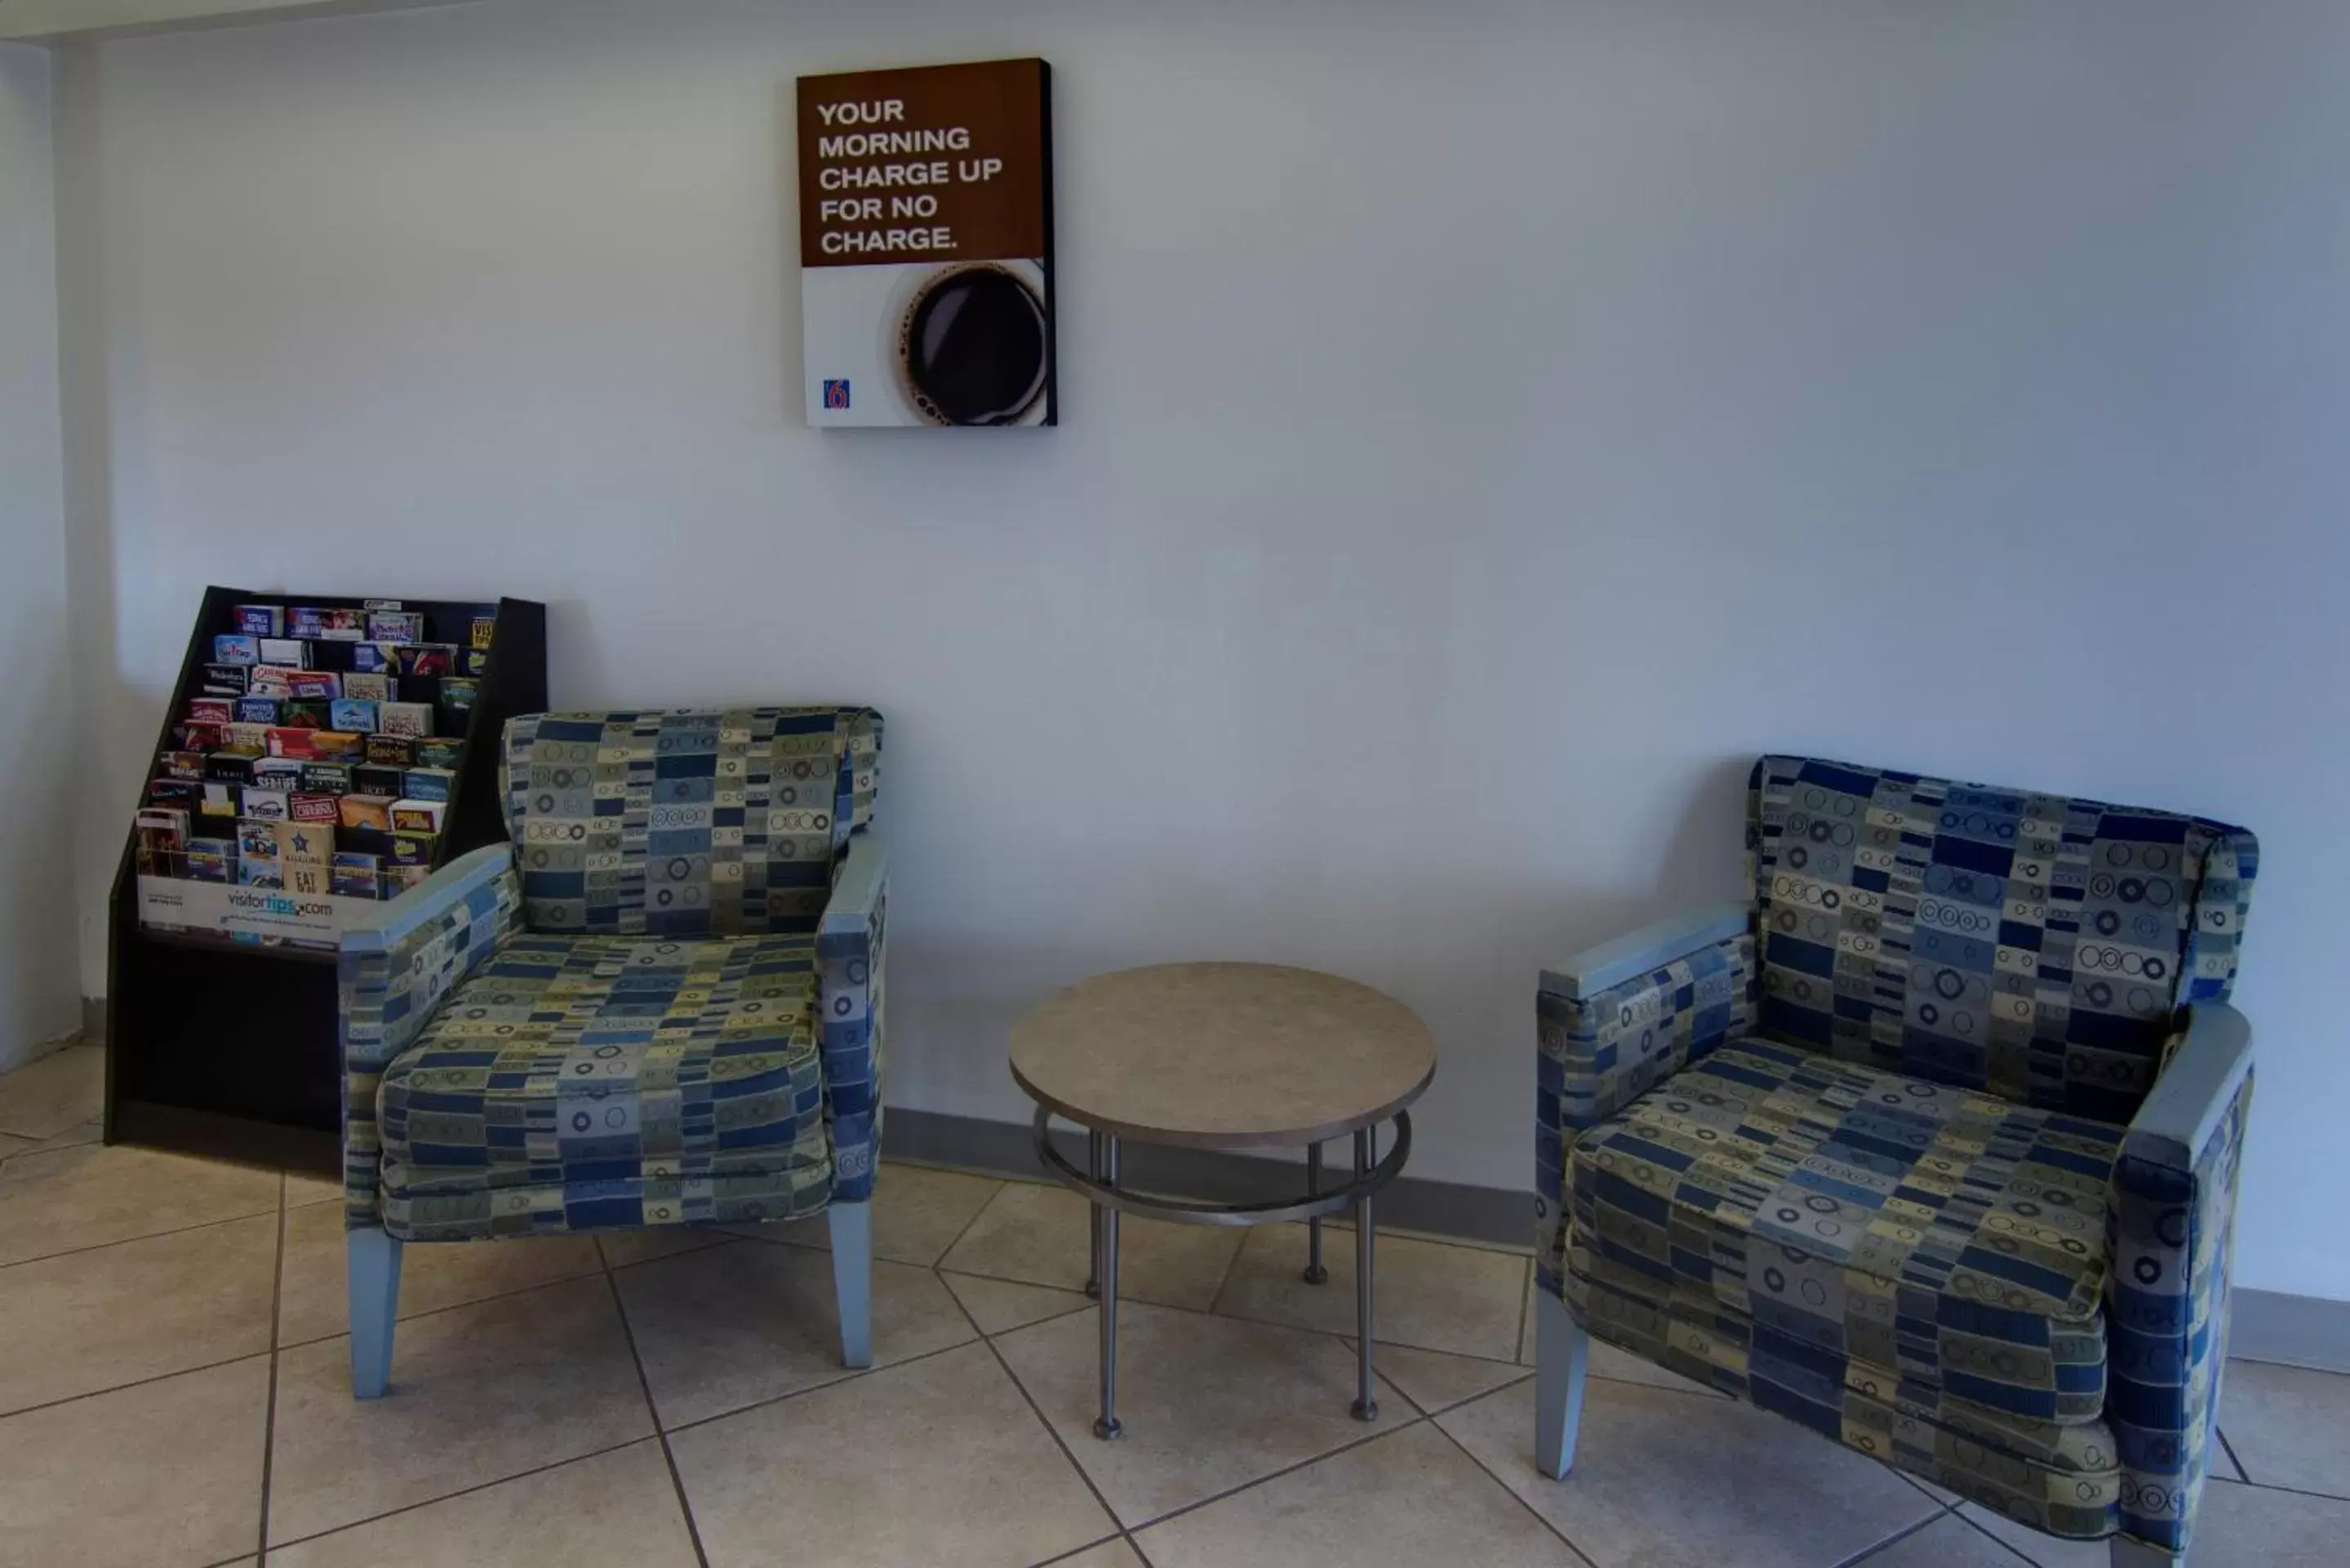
(314, 919)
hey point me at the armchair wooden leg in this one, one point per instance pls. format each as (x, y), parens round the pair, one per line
(852, 1279)
(1561, 1355)
(372, 1269)
(2129, 1553)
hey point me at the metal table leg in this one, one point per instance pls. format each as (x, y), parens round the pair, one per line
(1094, 1170)
(1099, 1183)
(1106, 1243)
(1315, 1274)
(1366, 1406)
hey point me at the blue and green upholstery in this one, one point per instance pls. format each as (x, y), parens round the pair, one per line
(582, 1083)
(685, 823)
(1904, 1161)
(2026, 944)
(660, 1005)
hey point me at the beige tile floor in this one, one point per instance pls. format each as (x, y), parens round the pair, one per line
(174, 1391)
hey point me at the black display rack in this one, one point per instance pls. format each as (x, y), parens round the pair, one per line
(221, 1047)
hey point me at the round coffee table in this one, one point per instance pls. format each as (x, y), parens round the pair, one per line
(1224, 1056)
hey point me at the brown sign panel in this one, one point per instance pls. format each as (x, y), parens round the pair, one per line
(936, 163)
(926, 245)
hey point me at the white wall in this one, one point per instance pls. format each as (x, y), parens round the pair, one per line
(38, 1002)
(1488, 425)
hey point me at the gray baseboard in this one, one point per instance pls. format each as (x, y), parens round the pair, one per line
(2298, 1331)
(1410, 1203)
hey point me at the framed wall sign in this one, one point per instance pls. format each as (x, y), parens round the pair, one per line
(926, 245)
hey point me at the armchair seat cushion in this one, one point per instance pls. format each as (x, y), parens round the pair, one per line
(576, 1083)
(1911, 1241)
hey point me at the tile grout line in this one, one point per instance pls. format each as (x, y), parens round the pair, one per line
(652, 1410)
(149, 1236)
(1128, 1532)
(2287, 1491)
(846, 1378)
(1538, 1516)
(1224, 1280)
(452, 1496)
(1032, 1322)
(2230, 1449)
(1526, 1288)
(456, 1306)
(269, 1409)
(1941, 1511)
(1311, 1459)
(1117, 1521)
(1343, 1335)
(134, 1383)
(967, 1224)
(1957, 1512)
(1077, 1551)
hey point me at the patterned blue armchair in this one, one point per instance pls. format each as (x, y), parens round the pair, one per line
(660, 1005)
(1931, 1147)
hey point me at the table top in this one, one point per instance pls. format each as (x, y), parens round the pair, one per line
(1222, 1055)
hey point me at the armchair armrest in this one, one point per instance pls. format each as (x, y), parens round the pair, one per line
(1652, 946)
(850, 962)
(392, 972)
(1614, 1021)
(2172, 1219)
(2197, 1088)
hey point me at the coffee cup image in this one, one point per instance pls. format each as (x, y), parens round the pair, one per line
(974, 346)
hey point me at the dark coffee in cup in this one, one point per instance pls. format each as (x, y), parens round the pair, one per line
(974, 346)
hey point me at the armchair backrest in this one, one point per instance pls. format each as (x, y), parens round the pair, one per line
(685, 823)
(2031, 945)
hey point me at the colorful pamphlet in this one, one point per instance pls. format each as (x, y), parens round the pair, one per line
(255, 804)
(353, 713)
(429, 783)
(260, 620)
(224, 681)
(411, 719)
(256, 840)
(326, 778)
(211, 860)
(300, 808)
(357, 875)
(308, 841)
